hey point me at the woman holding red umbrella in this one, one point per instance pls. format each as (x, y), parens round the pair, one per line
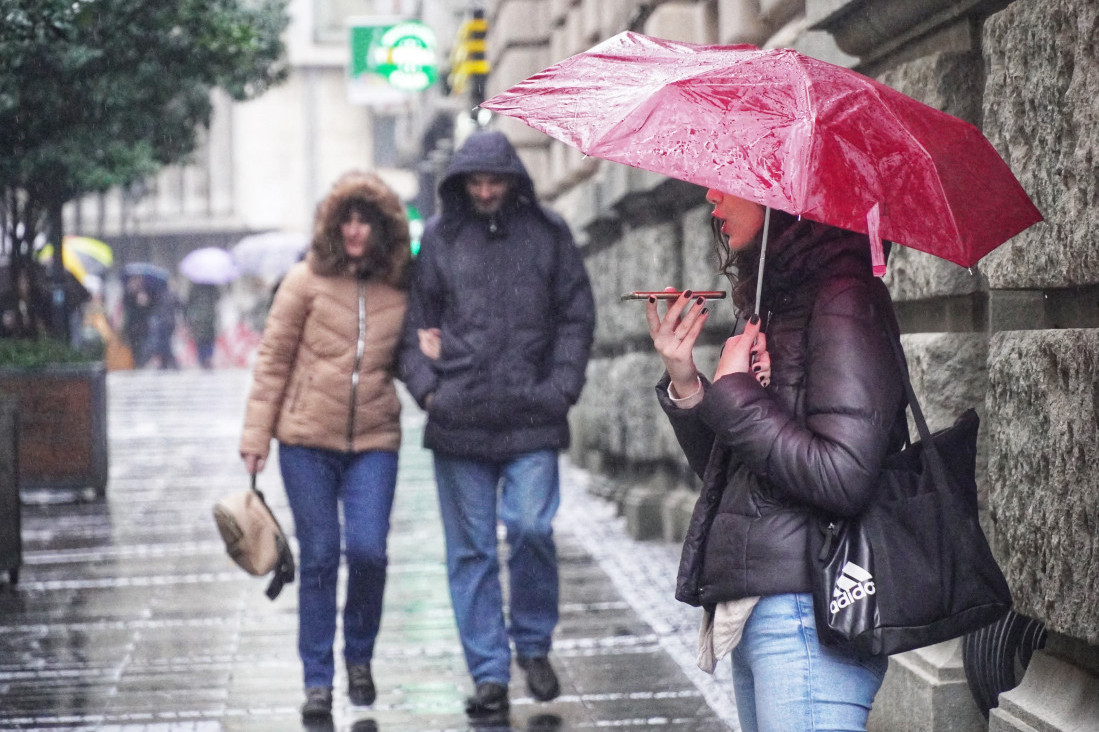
(796, 422)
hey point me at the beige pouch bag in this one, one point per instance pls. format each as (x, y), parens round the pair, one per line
(253, 537)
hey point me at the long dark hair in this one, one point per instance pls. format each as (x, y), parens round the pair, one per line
(388, 253)
(742, 268)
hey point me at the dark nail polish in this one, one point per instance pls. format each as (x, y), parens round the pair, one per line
(754, 319)
(700, 300)
(704, 311)
(757, 369)
(687, 295)
(652, 299)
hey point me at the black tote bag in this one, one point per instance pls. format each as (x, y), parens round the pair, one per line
(915, 567)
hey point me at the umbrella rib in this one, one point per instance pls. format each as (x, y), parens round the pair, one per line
(601, 139)
(887, 108)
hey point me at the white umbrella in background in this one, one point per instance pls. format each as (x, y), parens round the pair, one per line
(269, 256)
(209, 266)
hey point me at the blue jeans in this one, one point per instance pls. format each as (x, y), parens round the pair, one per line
(524, 492)
(317, 481)
(785, 681)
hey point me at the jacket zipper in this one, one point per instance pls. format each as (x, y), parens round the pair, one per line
(829, 532)
(360, 348)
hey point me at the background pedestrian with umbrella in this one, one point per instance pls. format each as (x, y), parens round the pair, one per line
(820, 164)
(81, 255)
(207, 269)
(149, 314)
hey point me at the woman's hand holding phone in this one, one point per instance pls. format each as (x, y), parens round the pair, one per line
(674, 337)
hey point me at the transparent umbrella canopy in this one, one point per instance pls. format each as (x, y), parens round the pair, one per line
(269, 256)
(209, 266)
(784, 130)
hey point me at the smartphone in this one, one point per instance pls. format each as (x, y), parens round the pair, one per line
(661, 295)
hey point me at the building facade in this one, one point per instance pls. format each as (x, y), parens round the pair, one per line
(1016, 337)
(263, 165)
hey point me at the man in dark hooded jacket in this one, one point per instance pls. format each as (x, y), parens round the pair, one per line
(496, 342)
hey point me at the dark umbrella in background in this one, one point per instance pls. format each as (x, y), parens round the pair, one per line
(786, 131)
(153, 277)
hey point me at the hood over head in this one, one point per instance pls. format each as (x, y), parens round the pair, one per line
(484, 152)
(388, 254)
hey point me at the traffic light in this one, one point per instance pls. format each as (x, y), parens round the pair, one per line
(468, 65)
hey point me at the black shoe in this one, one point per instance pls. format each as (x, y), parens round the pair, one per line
(360, 684)
(541, 680)
(318, 704)
(491, 699)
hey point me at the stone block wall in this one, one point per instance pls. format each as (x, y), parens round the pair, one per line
(1040, 112)
(1015, 337)
(1042, 403)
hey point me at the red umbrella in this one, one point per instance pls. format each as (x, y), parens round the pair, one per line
(784, 130)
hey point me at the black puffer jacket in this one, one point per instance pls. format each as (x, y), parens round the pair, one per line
(812, 442)
(513, 302)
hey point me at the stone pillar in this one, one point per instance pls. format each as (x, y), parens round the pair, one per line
(1054, 695)
(1044, 488)
(925, 689)
(1039, 110)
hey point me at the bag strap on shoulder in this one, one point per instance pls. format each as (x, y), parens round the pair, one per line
(934, 460)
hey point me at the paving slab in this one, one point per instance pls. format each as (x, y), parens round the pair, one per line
(129, 617)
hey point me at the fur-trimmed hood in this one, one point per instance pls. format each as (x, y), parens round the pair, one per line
(388, 256)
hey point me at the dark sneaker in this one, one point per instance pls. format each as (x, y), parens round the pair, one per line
(541, 680)
(318, 703)
(491, 699)
(360, 684)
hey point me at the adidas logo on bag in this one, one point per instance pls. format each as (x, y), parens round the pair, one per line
(853, 584)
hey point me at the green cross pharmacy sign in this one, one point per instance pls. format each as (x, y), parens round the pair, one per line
(400, 55)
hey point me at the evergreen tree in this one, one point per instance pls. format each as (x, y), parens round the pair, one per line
(103, 93)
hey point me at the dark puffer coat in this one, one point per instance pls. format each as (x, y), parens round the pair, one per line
(812, 442)
(512, 299)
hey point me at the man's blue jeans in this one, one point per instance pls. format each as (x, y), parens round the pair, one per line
(524, 493)
(785, 681)
(317, 481)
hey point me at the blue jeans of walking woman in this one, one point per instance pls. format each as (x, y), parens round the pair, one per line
(523, 492)
(317, 482)
(786, 681)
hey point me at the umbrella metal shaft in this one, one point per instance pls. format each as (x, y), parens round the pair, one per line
(762, 257)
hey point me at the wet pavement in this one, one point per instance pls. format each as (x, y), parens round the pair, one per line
(129, 616)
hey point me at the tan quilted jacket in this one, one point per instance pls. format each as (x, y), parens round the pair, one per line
(303, 391)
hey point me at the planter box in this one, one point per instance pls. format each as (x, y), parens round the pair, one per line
(62, 425)
(11, 533)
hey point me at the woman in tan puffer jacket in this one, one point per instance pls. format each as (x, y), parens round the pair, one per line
(323, 387)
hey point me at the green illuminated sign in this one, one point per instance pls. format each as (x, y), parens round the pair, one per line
(403, 54)
(415, 227)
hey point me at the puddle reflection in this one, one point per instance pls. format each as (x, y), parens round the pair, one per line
(537, 723)
(365, 725)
